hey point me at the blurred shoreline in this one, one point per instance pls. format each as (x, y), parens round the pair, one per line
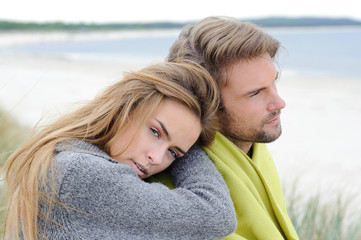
(25, 37)
(17, 37)
(319, 144)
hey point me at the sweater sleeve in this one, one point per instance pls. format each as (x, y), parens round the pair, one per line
(199, 207)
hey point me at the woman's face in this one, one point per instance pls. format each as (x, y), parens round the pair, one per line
(168, 134)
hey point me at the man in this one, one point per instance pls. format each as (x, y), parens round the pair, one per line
(240, 58)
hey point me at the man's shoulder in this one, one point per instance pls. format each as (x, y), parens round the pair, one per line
(194, 151)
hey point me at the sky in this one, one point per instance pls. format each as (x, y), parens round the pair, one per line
(96, 11)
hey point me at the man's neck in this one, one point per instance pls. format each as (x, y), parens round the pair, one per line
(246, 147)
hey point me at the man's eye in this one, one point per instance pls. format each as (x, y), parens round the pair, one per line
(255, 93)
(155, 132)
(174, 153)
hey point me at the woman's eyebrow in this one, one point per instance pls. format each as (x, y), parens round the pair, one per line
(164, 128)
(167, 134)
(180, 150)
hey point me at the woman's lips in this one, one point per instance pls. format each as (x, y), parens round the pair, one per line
(141, 170)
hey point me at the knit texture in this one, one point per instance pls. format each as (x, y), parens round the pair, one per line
(106, 200)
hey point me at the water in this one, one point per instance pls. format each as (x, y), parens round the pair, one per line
(322, 52)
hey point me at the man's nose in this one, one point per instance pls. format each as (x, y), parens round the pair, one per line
(276, 103)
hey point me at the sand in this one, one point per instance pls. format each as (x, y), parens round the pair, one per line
(321, 122)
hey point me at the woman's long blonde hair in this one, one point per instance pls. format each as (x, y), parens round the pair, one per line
(138, 94)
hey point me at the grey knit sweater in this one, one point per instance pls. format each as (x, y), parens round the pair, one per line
(107, 200)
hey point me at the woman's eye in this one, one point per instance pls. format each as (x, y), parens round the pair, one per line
(174, 153)
(155, 132)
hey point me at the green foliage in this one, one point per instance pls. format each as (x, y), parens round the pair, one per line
(304, 22)
(60, 26)
(316, 219)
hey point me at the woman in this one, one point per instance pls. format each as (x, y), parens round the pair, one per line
(80, 177)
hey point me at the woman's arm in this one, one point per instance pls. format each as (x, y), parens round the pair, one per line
(200, 206)
(198, 182)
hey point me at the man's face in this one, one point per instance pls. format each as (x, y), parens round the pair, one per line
(251, 103)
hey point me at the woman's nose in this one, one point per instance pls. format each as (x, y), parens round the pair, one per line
(155, 157)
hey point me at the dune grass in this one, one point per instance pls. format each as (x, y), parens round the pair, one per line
(2, 209)
(12, 134)
(318, 218)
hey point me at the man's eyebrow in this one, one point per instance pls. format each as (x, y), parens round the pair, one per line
(262, 88)
(251, 92)
(255, 90)
(167, 134)
(277, 76)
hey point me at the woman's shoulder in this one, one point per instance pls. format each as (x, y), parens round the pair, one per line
(76, 161)
(80, 149)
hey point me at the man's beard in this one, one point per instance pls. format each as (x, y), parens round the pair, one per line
(234, 130)
(263, 137)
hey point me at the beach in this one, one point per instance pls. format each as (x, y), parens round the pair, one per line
(321, 122)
